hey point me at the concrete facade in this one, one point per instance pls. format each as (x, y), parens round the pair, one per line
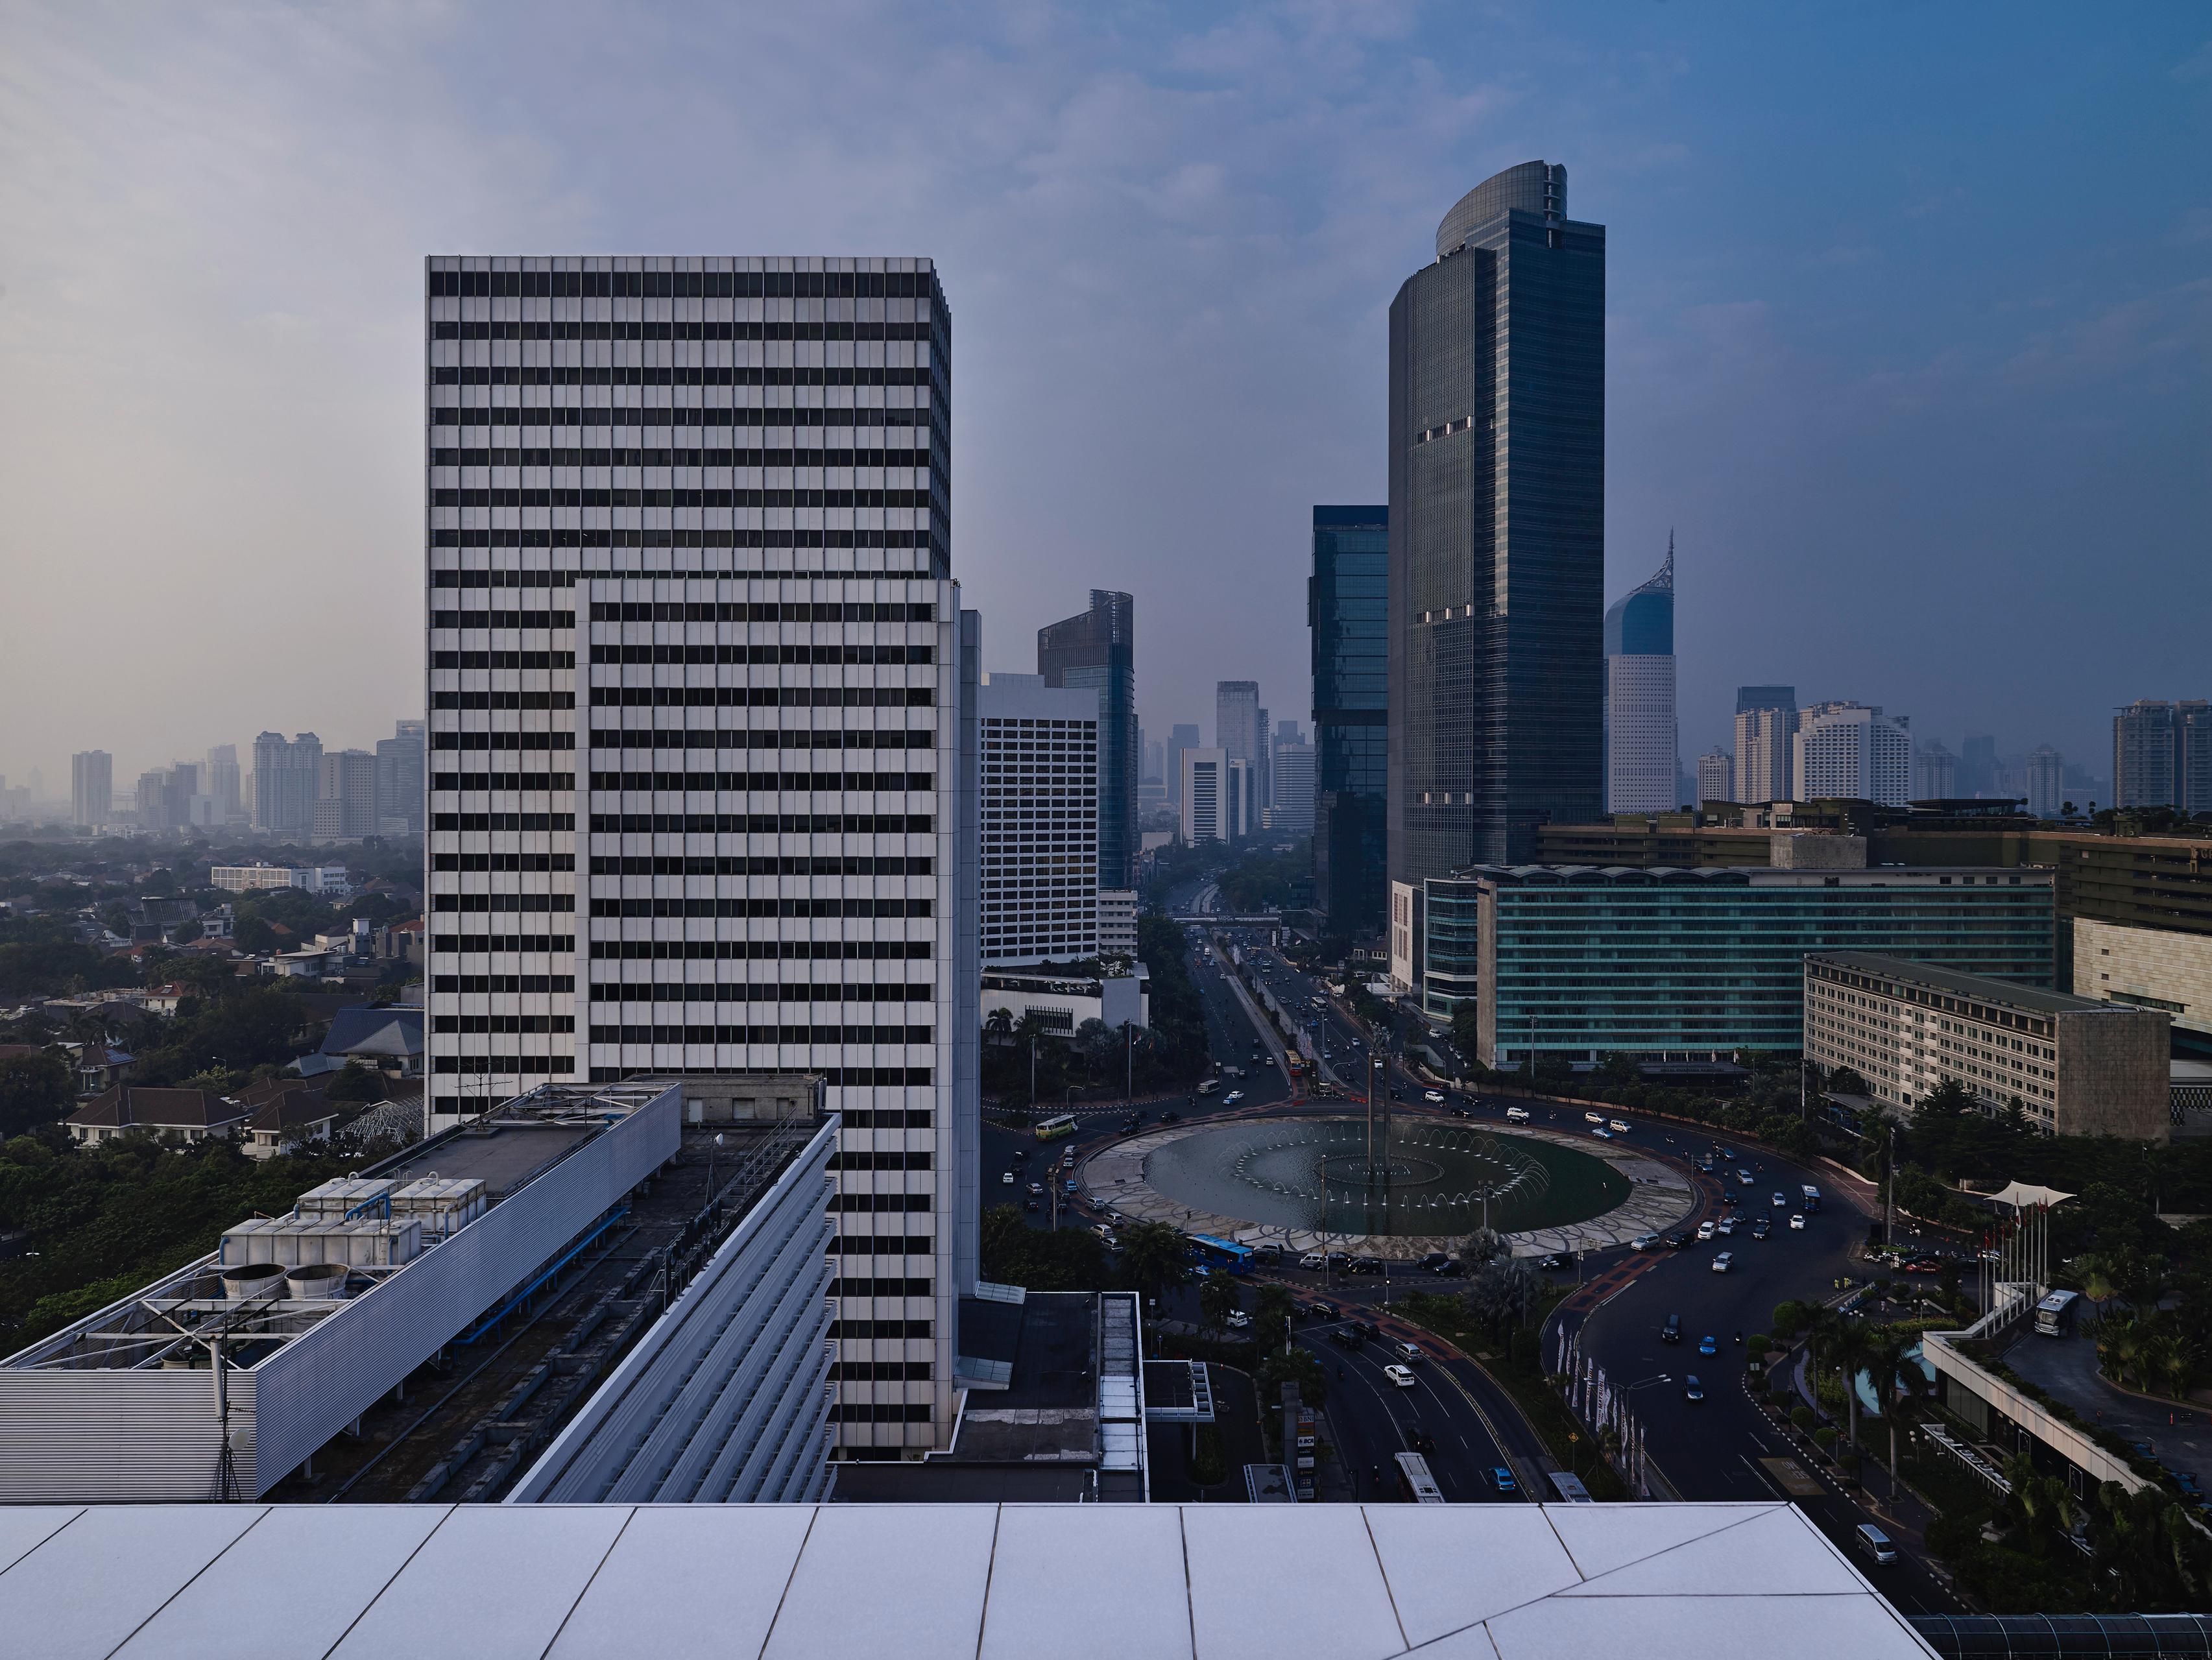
(2076, 1068)
(2151, 967)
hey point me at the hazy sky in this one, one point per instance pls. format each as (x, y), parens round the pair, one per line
(1909, 318)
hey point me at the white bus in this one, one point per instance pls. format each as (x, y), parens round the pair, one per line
(1416, 1485)
(1052, 1128)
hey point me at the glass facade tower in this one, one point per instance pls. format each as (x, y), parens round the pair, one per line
(1097, 650)
(1641, 765)
(1346, 611)
(1497, 466)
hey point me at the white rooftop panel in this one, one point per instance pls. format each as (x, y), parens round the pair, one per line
(494, 1580)
(1450, 1565)
(90, 1584)
(1860, 1627)
(877, 1580)
(627, 1611)
(24, 1527)
(1078, 1581)
(1256, 1593)
(336, 1558)
(1603, 1538)
(1773, 1552)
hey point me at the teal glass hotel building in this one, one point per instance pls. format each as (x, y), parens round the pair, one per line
(1696, 964)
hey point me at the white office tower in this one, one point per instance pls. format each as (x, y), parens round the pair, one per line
(2046, 782)
(702, 748)
(1291, 777)
(1641, 769)
(1205, 796)
(1850, 752)
(1040, 820)
(1766, 754)
(1716, 776)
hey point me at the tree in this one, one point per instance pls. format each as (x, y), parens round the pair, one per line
(1466, 1033)
(355, 1083)
(2043, 1506)
(1154, 1256)
(1297, 1365)
(1271, 1312)
(1217, 1301)
(1097, 1043)
(1896, 1380)
(1847, 1348)
(34, 1090)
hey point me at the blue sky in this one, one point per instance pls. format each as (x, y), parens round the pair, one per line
(1909, 318)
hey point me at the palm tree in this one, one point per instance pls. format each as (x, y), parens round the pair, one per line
(2099, 1282)
(1897, 1381)
(1217, 1301)
(999, 1023)
(1154, 1256)
(2169, 1357)
(1271, 1311)
(2047, 1507)
(1848, 1347)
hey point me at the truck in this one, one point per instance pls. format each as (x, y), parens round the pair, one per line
(2055, 1313)
(1209, 1086)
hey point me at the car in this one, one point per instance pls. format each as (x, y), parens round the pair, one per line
(1504, 1480)
(1401, 1375)
(1645, 1242)
(1551, 1261)
(1726, 1224)
(1724, 1263)
(1671, 1331)
(1780, 1203)
(1232, 1098)
(1707, 1228)
(1796, 1222)
(1368, 1329)
(1031, 1204)
(1313, 1258)
(1708, 1345)
(1238, 1320)
(1743, 1177)
(1516, 1114)
(1409, 1353)
(1364, 1265)
(1616, 1125)
(1436, 1261)
(1761, 1228)
(1036, 1187)
(1170, 1118)
(1691, 1389)
(1677, 1241)
(1321, 1309)
(1434, 1098)
(1602, 1134)
(1007, 1177)
(1592, 1118)
(1419, 1440)
(1454, 1269)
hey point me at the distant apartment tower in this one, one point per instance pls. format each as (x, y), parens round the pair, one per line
(702, 764)
(225, 783)
(1641, 763)
(2162, 754)
(401, 778)
(1716, 776)
(1206, 817)
(2046, 782)
(1347, 614)
(1096, 651)
(345, 797)
(1497, 587)
(1852, 752)
(1040, 818)
(1978, 764)
(1765, 731)
(1180, 737)
(1935, 772)
(92, 787)
(287, 782)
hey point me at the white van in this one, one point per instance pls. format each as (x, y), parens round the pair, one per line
(1592, 1118)
(1516, 1114)
(1875, 1543)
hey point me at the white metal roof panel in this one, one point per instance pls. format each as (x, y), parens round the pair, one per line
(92, 1583)
(884, 1579)
(1452, 1566)
(1696, 1628)
(1766, 1549)
(336, 1558)
(493, 1579)
(23, 1528)
(1080, 1581)
(1603, 1538)
(627, 1611)
(1283, 1582)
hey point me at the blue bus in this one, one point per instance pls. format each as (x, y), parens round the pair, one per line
(1221, 1253)
(1810, 1196)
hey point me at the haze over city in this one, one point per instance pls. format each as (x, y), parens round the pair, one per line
(1907, 313)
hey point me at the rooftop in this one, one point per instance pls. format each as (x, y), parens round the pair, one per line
(1948, 982)
(975, 1581)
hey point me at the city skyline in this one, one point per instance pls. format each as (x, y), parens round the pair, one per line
(1896, 373)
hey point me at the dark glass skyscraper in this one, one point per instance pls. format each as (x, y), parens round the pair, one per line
(1347, 611)
(1098, 649)
(1498, 530)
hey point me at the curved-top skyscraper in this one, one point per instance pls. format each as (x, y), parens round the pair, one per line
(1641, 773)
(1496, 583)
